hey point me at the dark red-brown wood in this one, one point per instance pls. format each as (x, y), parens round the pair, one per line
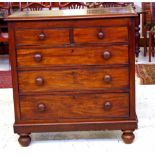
(74, 72)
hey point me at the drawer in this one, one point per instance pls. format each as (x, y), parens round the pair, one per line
(79, 106)
(101, 35)
(72, 56)
(73, 79)
(42, 37)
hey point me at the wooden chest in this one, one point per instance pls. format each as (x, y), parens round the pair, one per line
(73, 70)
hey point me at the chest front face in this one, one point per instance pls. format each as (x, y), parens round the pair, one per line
(72, 74)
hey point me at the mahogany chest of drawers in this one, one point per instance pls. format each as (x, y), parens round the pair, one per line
(73, 70)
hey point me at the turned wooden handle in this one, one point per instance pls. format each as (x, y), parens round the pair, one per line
(106, 55)
(107, 78)
(41, 107)
(107, 106)
(39, 81)
(38, 57)
(100, 35)
(42, 36)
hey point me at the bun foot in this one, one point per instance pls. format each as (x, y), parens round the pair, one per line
(128, 136)
(24, 140)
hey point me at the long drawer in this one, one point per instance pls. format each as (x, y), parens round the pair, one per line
(83, 106)
(72, 56)
(73, 79)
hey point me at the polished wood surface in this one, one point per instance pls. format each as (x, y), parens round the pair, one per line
(90, 35)
(43, 36)
(128, 136)
(73, 72)
(73, 79)
(56, 108)
(10, 7)
(46, 57)
(73, 14)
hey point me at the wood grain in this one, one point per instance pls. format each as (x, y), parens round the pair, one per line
(72, 56)
(112, 22)
(52, 36)
(91, 34)
(73, 72)
(74, 106)
(73, 79)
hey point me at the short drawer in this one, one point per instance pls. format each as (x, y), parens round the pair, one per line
(79, 106)
(73, 79)
(72, 56)
(101, 35)
(41, 37)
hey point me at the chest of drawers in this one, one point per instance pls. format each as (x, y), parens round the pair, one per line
(73, 72)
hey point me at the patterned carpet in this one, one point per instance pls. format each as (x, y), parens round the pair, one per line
(146, 73)
(5, 79)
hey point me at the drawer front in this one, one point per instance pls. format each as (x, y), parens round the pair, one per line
(73, 79)
(101, 35)
(72, 56)
(59, 107)
(42, 37)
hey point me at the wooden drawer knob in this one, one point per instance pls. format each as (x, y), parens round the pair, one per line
(38, 57)
(100, 35)
(107, 106)
(41, 107)
(39, 81)
(107, 78)
(106, 55)
(42, 36)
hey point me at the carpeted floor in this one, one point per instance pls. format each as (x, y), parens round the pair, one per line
(146, 73)
(5, 79)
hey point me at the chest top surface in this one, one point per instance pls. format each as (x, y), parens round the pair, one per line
(73, 14)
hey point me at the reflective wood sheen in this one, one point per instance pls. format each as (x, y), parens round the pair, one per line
(74, 106)
(106, 35)
(74, 14)
(42, 36)
(73, 79)
(72, 56)
(73, 70)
